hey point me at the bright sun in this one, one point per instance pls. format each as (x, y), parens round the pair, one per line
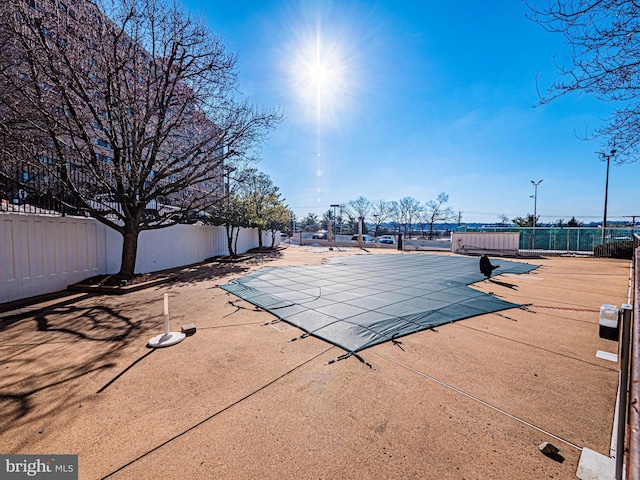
(320, 77)
(322, 57)
(324, 53)
(318, 74)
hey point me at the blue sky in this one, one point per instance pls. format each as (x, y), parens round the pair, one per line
(391, 99)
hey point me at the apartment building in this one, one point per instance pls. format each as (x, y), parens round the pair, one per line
(94, 109)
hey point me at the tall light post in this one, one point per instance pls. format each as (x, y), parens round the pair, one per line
(606, 191)
(334, 206)
(535, 205)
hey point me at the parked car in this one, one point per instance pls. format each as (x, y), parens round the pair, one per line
(284, 236)
(320, 235)
(365, 238)
(388, 239)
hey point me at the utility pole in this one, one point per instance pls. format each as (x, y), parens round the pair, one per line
(535, 205)
(606, 191)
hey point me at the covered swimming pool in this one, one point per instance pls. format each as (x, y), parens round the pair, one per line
(359, 301)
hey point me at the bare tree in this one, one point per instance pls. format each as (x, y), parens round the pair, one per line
(605, 47)
(395, 216)
(408, 209)
(356, 211)
(435, 211)
(132, 103)
(361, 206)
(382, 212)
(503, 219)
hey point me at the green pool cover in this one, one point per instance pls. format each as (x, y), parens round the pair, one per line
(359, 301)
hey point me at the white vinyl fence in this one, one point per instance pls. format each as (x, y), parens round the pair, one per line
(497, 243)
(44, 254)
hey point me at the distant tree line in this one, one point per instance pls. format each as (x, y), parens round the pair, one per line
(528, 221)
(407, 216)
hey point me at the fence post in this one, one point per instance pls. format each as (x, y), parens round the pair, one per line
(623, 389)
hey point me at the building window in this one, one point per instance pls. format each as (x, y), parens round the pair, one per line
(103, 158)
(102, 143)
(46, 159)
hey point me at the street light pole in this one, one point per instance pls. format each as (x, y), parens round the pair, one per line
(334, 206)
(535, 213)
(606, 191)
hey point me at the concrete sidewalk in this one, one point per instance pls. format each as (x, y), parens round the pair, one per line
(239, 399)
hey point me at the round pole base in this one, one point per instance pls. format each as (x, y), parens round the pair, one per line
(166, 339)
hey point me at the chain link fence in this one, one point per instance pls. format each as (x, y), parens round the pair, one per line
(613, 242)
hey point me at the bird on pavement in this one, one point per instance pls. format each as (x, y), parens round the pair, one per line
(485, 266)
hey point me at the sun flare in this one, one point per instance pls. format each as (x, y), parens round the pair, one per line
(318, 74)
(321, 77)
(321, 57)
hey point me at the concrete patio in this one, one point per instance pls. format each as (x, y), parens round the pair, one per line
(469, 400)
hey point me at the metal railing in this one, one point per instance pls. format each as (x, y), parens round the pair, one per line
(31, 187)
(633, 425)
(35, 182)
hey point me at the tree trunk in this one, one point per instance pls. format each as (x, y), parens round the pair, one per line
(259, 237)
(129, 249)
(229, 230)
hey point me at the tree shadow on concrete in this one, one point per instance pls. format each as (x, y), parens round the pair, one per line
(25, 309)
(88, 323)
(49, 357)
(219, 268)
